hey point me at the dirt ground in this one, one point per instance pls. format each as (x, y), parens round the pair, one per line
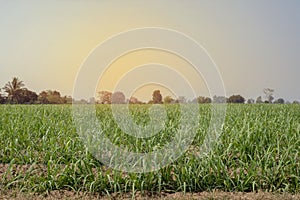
(203, 195)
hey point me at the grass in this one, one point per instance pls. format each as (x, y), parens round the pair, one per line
(40, 151)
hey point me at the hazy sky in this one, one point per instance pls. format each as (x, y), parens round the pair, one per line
(255, 44)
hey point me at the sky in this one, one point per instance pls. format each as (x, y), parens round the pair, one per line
(254, 44)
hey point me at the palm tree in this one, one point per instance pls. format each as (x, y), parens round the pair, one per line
(2, 99)
(12, 88)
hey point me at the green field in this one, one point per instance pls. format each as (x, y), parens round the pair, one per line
(41, 151)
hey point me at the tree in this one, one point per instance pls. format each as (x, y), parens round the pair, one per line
(104, 97)
(207, 100)
(26, 96)
(168, 100)
(219, 99)
(150, 102)
(92, 100)
(51, 97)
(181, 99)
(279, 101)
(296, 102)
(134, 100)
(54, 97)
(204, 100)
(2, 98)
(236, 99)
(118, 98)
(259, 100)
(68, 99)
(250, 101)
(42, 98)
(81, 101)
(201, 99)
(12, 88)
(156, 97)
(269, 94)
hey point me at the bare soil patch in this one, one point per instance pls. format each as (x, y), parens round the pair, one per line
(218, 195)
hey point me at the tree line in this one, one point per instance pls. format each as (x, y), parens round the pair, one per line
(106, 97)
(15, 92)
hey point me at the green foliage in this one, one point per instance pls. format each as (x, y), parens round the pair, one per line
(236, 99)
(169, 100)
(156, 97)
(258, 150)
(53, 97)
(201, 99)
(13, 89)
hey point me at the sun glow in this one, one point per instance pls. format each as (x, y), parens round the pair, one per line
(134, 60)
